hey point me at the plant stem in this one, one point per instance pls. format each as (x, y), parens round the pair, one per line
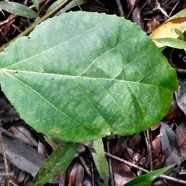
(144, 170)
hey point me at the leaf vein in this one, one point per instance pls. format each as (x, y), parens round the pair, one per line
(116, 102)
(71, 76)
(54, 47)
(91, 102)
(43, 98)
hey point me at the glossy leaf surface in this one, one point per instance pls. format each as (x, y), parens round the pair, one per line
(81, 76)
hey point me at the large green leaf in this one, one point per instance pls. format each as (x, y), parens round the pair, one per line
(81, 76)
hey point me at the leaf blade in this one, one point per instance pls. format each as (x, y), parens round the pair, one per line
(56, 164)
(18, 9)
(146, 180)
(102, 89)
(100, 160)
(171, 42)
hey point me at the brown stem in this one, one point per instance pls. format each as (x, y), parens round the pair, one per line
(144, 170)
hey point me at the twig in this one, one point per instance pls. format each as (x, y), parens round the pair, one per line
(92, 180)
(149, 148)
(12, 17)
(174, 8)
(110, 166)
(135, 13)
(78, 5)
(47, 3)
(14, 184)
(180, 70)
(158, 7)
(31, 27)
(4, 159)
(144, 170)
(126, 162)
(120, 8)
(133, 5)
(85, 165)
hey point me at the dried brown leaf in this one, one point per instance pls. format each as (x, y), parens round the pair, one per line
(181, 138)
(169, 145)
(23, 156)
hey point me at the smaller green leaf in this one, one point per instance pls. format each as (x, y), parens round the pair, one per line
(36, 3)
(56, 164)
(100, 160)
(18, 9)
(172, 42)
(180, 34)
(146, 180)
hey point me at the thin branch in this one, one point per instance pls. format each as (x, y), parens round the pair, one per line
(158, 7)
(149, 148)
(78, 5)
(4, 159)
(174, 8)
(110, 166)
(120, 8)
(85, 165)
(144, 170)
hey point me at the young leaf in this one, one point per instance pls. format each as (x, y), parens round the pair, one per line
(180, 34)
(18, 9)
(100, 160)
(81, 76)
(146, 180)
(171, 42)
(56, 164)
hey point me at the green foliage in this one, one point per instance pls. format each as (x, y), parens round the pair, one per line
(56, 164)
(81, 76)
(180, 34)
(172, 42)
(100, 160)
(36, 3)
(146, 180)
(18, 9)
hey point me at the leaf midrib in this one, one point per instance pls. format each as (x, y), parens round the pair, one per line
(60, 111)
(78, 76)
